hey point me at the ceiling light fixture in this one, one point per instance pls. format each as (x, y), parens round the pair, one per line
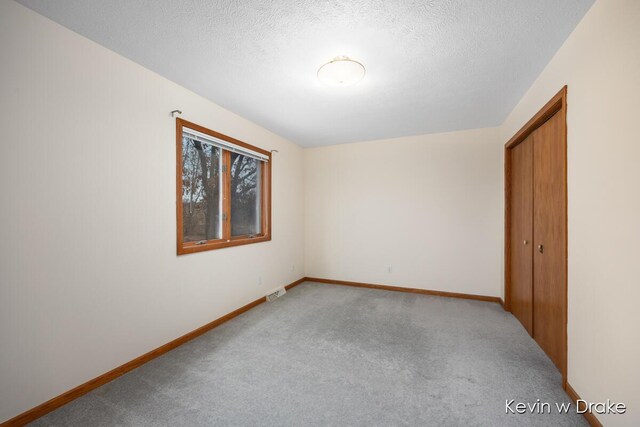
(341, 71)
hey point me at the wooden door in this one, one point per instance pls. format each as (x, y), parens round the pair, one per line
(521, 243)
(549, 239)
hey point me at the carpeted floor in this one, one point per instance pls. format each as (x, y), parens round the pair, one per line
(336, 355)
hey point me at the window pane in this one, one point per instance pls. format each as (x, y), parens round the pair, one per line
(200, 191)
(245, 195)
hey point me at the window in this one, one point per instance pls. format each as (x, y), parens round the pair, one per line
(223, 190)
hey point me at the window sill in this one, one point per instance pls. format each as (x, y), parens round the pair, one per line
(219, 244)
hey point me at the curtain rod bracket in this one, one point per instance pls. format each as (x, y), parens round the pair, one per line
(174, 112)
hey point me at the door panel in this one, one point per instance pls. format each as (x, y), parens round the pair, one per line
(521, 243)
(549, 259)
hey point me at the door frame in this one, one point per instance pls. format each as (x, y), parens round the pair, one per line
(557, 104)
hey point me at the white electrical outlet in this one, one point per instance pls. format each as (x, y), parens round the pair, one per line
(390, 269)
(259, 280)
(293, 267)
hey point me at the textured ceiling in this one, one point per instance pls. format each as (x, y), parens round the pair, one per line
(432, 65)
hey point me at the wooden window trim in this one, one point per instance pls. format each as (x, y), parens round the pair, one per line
(265, 183)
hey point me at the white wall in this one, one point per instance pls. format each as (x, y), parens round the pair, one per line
(600, 63)
(88, 267)
(429, 206)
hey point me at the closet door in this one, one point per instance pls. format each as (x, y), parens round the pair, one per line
(521, 243)
(550, 251)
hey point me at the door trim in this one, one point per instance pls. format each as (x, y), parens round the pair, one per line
(557, 104)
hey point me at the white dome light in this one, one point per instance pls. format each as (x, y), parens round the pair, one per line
(342, 71)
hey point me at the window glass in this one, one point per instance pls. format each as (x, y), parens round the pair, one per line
(200, 191)
(245, 195)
